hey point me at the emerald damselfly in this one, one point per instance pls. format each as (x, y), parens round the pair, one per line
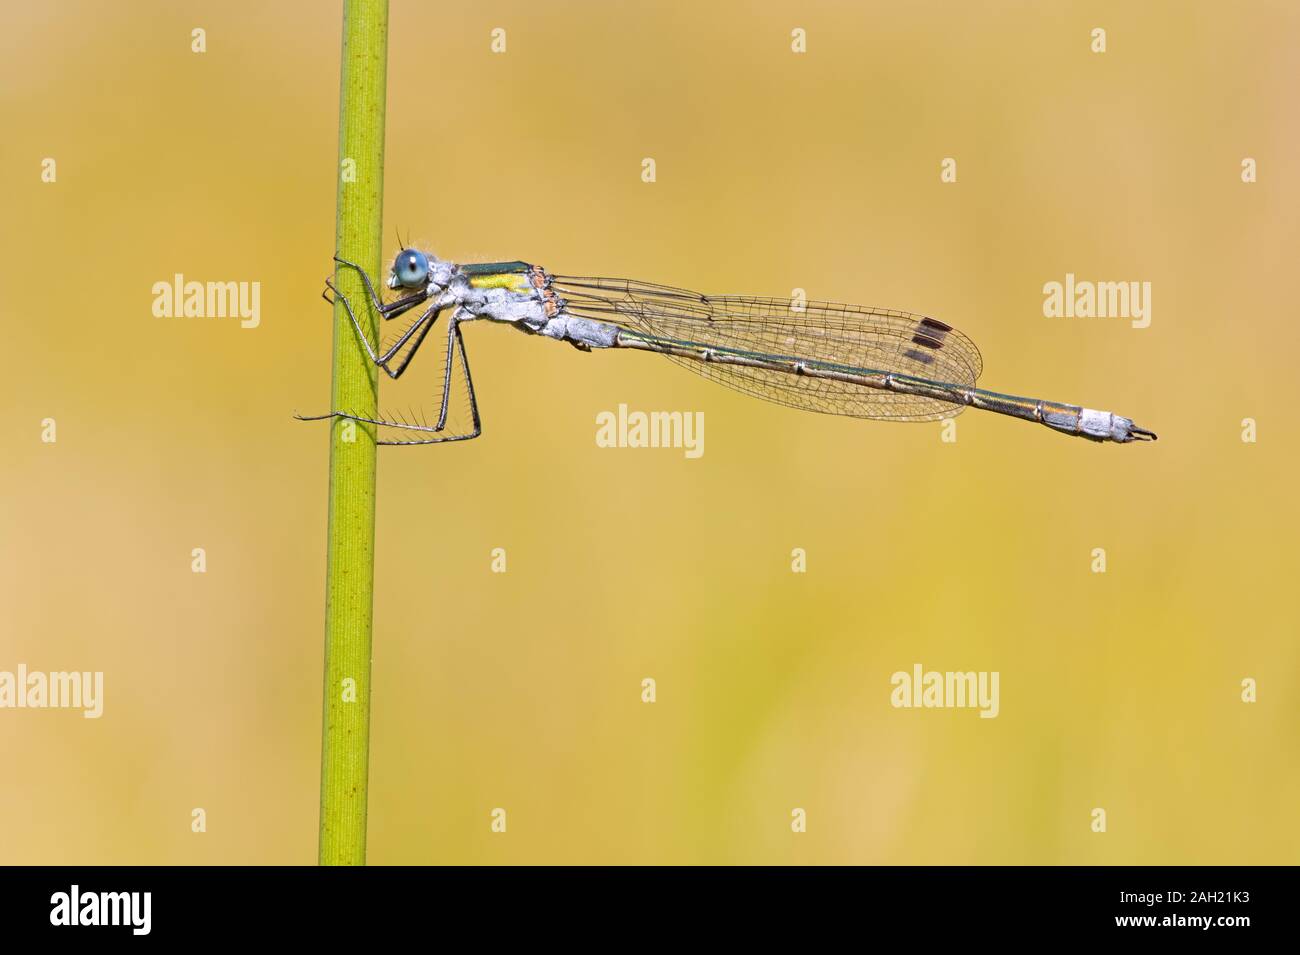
(816, 356)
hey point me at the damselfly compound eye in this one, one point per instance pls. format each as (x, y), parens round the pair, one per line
(411, 268)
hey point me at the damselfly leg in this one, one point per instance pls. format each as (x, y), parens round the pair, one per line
(419, 328)
(415, 334)
(386, 311)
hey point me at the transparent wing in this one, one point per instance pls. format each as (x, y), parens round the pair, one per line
(871, 339)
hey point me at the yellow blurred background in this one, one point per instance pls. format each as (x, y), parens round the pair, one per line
(522, 690)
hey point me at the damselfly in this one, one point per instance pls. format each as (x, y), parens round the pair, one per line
(816, 356)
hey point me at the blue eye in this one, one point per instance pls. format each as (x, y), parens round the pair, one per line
(411, 268)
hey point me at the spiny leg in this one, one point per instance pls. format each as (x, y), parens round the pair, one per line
(421, 325)
(424, 323)
(455, 341)
(392, 309)
(469, 382)
(452, 338)
(420, 328)
(389, 311)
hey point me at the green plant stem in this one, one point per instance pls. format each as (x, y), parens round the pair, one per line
(350, 574)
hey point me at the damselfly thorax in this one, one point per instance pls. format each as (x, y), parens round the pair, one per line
(523, 295)
(816, 356)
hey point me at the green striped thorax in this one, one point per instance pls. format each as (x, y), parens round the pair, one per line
(414, 269)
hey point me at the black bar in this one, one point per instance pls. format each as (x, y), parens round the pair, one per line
(301, 905)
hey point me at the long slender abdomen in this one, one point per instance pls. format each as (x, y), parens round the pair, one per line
(1068, 419)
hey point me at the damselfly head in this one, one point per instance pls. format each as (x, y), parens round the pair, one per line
(410, 269)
